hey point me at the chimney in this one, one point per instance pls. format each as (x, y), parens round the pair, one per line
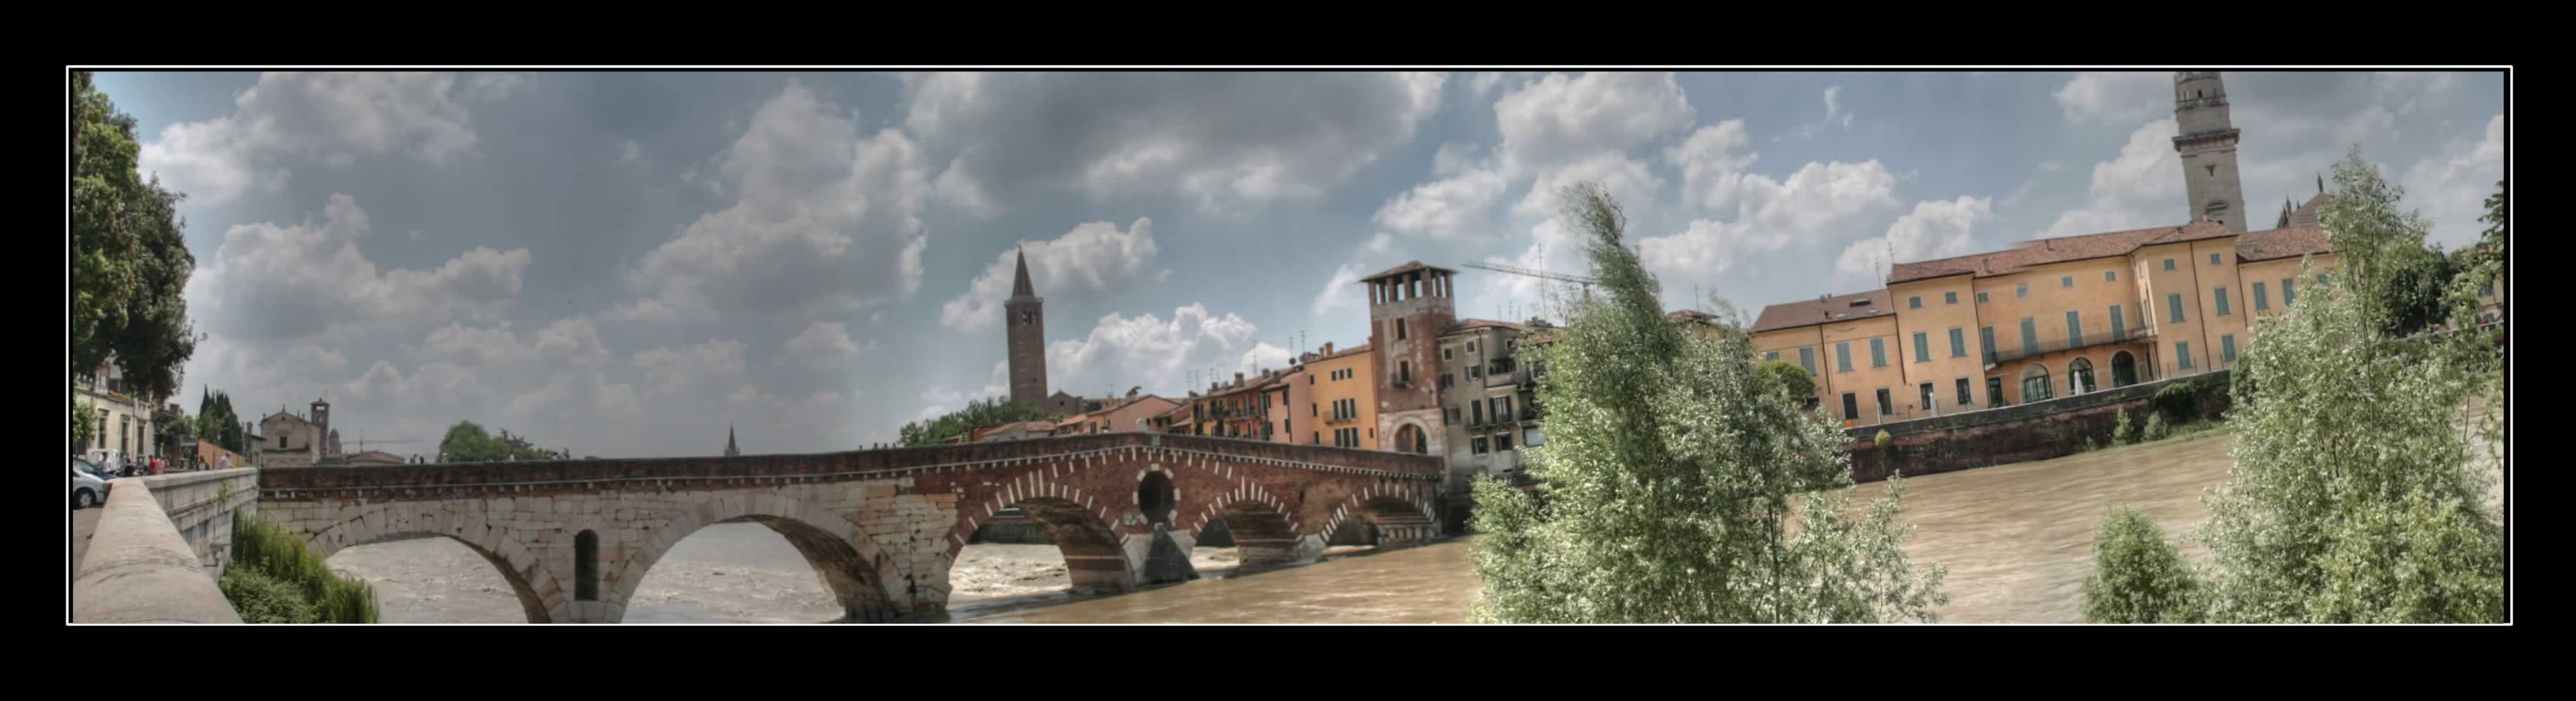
(1328, 347)
(1238, 379)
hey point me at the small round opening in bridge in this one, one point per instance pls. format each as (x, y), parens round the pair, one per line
(1154, 497)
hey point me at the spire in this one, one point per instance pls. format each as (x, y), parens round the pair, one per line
(730, 450)
(1020, 283)
(2321, 184)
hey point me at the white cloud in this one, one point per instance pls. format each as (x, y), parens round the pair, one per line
(1380, 243)
(824, 347)
(1455, 158)
(1834, 115)
(1559, 120)
(828, 220)
(1340, 292)
(1935, 229)
(328, 118)
(1628, 180)
(2452, 186)
(629, 152)
(1222, 138)
(1712, 171)
(2115, 97)
(2139, 188)
(1146, 350)
(1820, 204)
(277, 283)
(1452, 208)
(495, 86)
(2412, 88)
(1091, 262)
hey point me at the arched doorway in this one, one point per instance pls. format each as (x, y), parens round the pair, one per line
(2124, 369)
(1410, 439)
(2079, 376)
(2034, 384)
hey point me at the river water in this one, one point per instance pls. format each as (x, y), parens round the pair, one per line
(2017, 540)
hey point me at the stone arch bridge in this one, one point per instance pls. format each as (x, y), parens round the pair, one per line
(880, 527)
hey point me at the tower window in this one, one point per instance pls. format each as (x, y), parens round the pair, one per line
(1399, 329)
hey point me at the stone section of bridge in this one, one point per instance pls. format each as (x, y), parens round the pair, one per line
(881, 527)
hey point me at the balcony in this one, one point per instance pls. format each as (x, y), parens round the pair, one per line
(1339, 420)
(2046, 346)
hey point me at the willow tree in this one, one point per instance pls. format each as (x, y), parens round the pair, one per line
(2354, 498)
(1670, 475)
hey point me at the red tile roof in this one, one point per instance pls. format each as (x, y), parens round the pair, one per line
(1832, 308)
(2039, 252)
(1473, 324)
(2281, 243)
(1406, 268)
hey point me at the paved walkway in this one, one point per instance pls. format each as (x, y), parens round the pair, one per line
(84, 522)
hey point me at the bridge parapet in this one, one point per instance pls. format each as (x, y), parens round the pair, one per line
(140, 570)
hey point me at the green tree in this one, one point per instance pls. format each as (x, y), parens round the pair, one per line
(216, 423)
(1800, 383)
(1669, 474)
(129, 261)
(467, 442)
(2137, 576)
(2370, 512)
(977, 414)
(84, 423)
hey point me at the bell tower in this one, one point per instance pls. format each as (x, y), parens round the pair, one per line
(1024, 315)
(2207, 143)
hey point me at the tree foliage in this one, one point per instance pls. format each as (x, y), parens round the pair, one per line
(2137, 576)
(1670, 472)
(977, 414)
(1800, 383)
(2353, 498)
(468, 442)
(216, 423)
(84, 423)
(129, 261)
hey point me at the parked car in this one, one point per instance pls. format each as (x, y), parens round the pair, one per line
(89, 484)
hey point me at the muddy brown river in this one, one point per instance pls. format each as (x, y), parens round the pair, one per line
(2016, 539)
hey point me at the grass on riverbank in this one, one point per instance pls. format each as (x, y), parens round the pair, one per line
(276, 578)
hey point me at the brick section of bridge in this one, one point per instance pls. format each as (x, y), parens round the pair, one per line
(880, 527)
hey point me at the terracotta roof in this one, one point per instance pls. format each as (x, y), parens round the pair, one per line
(1833, 308)
(1340, 352)
(1691, 315)
(1178, 412)
(1406, 268)
(2038, 252)
(2281, 243)
(1473, 324)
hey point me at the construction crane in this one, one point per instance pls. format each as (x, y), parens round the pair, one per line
(1586, 282)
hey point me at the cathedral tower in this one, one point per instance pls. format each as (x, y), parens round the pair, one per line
(1024, 314)
(2208, 146)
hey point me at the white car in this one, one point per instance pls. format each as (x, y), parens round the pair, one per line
(89, 484)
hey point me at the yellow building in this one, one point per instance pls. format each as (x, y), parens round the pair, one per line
(2048, 318)
(1341, 398)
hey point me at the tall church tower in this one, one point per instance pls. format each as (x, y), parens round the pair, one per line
(1024, 314)
(2208, 146)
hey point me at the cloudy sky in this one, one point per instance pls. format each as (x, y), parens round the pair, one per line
(623, 264)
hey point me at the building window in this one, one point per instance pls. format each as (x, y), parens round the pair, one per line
(1842, 357)
(2222, 301)
(1771, 355)
(2173, 308)
(1994, 391)
(2119, 327)
(1885, 407)
(2227, 348)
(1986, 343)
(1448, 379)
(1878, 352)
(1958, 343)
(2066, 281)
(1502, 442)
(2485, 291)
(1964, 398)
(1914, 302)
(2110, 276)
(1981, 298)
(1478, 445)
(2034, 384)
(1404, 371)
(1927, 397)
(1922, 348)
(1399, 329)
(2074, 330)
(2261, 301)
(1851, 407)
(2029, 336)
(1479, 409)
(1807, 359)
(2289, 291)
(2182, 354)
(1453, 414)
(1949, 298)
(2213, 259)
(1475, 372)
(2169, 265)
(1444, 354)
(2021, 290)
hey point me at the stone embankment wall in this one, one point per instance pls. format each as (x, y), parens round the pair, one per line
(201, 506)
(2038, 431)
(139, 569)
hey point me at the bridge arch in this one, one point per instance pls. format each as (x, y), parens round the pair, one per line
(1401, 513)
(839, 551)
(527, 575)
(1080, 523)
